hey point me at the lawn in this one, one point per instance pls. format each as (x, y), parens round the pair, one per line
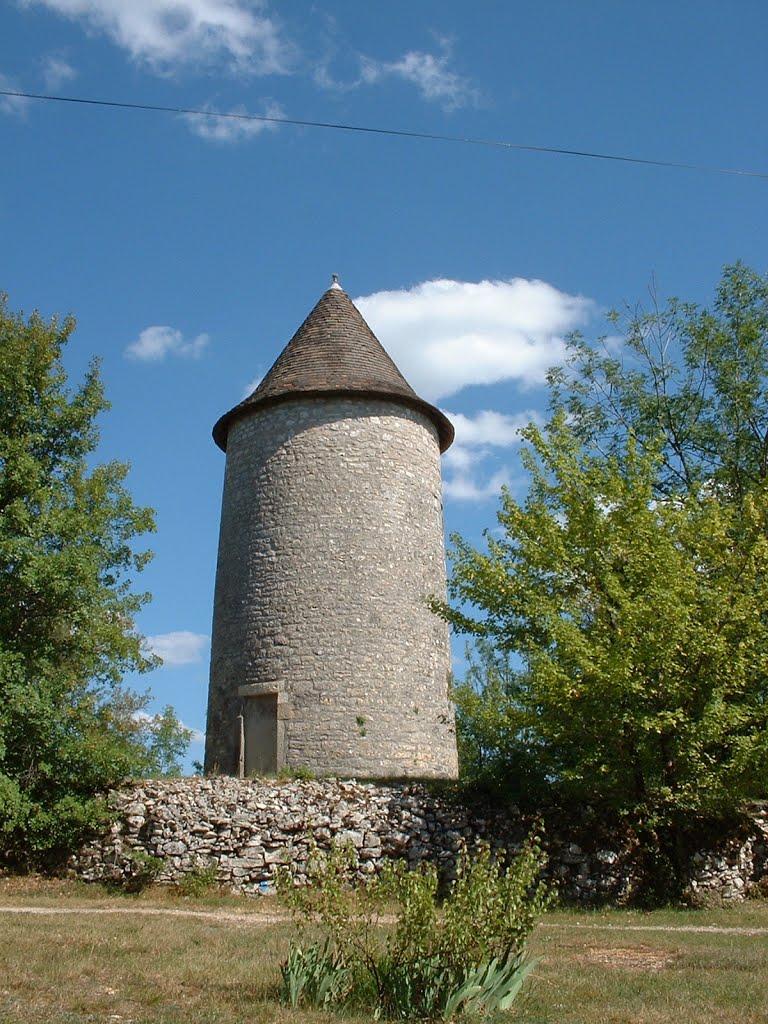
(138, 960)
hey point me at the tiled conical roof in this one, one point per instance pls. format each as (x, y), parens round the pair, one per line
(334, 352)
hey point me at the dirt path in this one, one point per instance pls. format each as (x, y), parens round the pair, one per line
(704, 929)
(215, 915)
(256, 919)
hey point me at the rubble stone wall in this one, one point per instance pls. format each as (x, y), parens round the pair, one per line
(247, 828)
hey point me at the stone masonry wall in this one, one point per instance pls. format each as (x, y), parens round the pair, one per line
(248, 828)
(331, 540)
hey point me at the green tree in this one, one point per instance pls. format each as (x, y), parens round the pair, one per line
(488, 729)
(629, 587)
(68, 729)
(166, 740)
(691, 383)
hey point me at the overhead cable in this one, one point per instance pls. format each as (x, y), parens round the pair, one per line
(398, 132)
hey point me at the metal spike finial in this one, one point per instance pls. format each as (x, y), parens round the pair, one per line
(335, 282)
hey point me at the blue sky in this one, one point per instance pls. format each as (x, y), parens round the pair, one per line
(191, 248)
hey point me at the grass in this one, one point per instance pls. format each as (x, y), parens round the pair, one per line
(616, 967)
(624, 967)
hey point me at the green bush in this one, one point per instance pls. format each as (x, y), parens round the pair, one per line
(199, 881)
(464, 956)
(142, 872)
(69, 729)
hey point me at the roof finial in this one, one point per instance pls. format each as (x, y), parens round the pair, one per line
(335, 283)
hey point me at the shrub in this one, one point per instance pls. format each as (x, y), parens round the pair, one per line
(464, 956)
(199, 881)
(142, 870)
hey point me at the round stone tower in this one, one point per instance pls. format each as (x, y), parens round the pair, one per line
(324, 652)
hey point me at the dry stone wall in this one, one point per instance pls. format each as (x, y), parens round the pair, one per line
(248, 828)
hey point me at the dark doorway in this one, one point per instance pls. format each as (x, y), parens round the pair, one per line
(260, 734)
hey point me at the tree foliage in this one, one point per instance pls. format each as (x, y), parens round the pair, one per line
(628, 590)
(487, 727)
(68, 729)
(690, 383)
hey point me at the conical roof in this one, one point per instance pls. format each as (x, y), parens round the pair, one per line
(334, 352)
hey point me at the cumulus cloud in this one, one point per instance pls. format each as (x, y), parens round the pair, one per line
(181, 647)
(447, 335)
(466, 475)
(155, 343)
(489, 428)
(469, 487)
(430, 73)
(14, 106)
(235, 126)
(167, 33)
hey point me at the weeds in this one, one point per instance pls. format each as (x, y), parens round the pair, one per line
(297, 773)
(198, 882)
(142, 870)
(466, 956)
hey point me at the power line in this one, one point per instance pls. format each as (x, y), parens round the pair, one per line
(398, 132)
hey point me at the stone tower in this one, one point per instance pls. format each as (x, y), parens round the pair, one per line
(324, 652)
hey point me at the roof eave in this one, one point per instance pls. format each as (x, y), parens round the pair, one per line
(444, 427)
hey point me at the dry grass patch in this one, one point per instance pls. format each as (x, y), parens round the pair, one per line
(634, 958)
(601, 969)
(160, 968)
(618, 967)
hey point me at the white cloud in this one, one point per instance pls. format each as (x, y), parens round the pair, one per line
(447, 335)
(467, 487)
(429, 73)
(181, 647)
(465, 475)
(57, 71)
(214, 127)
(155, 343)
(489, 427)
(166, 33)
(324, 78)
(14, 106)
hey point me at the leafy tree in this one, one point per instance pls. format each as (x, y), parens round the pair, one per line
(629, 587)
(166, 740)
(488, 728)
(68, 729)
(690, 383)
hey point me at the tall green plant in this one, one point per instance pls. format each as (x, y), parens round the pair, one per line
(464, 955)
(639, 627)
